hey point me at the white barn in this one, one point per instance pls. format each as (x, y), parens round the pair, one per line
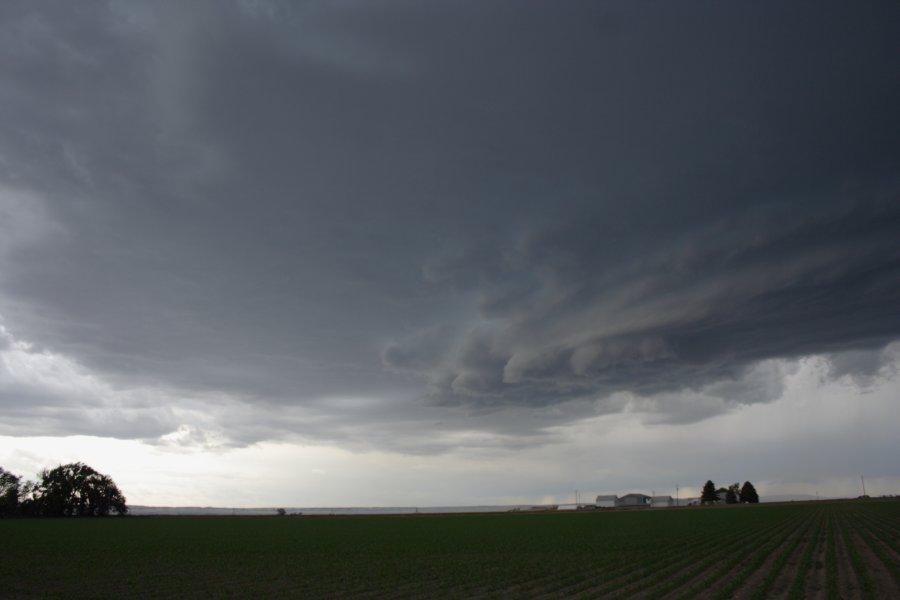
(633, 500)
(607, 501)
(661, 501)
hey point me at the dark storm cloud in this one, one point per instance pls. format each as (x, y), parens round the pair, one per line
(864, 367)
(684, 313)
(442, 204)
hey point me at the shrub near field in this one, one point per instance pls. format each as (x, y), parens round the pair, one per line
(846, 549)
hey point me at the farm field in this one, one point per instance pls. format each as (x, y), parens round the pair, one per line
(802, 550)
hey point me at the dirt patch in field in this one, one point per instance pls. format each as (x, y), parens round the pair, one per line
(891, 553)
(848, 584)
(816, 585)
(608, 586)
(781, 586)
(757, 578)
(882, 580)
(693, 581)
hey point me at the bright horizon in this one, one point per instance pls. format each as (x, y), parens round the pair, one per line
(254, 476)
(267, 253)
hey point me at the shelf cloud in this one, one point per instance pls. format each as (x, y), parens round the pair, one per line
(423, 226)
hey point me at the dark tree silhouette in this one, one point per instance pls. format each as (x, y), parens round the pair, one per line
(748, 493)
(731, 496)
(73, 490)
(9, 493)
(709, 495)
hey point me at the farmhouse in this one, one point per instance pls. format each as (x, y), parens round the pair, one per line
(632, 500)
(607, 501)
(661, 501)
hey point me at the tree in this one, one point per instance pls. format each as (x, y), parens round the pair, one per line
(73, 490)
(748, 493)
(731, 495)
(9, 493)
(709, 495)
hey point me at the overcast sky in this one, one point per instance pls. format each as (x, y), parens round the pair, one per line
(383, 252)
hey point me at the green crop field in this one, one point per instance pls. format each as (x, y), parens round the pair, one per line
(820, 550)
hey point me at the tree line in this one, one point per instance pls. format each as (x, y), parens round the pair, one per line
(733, 494)
(77, 490)
(71, 490)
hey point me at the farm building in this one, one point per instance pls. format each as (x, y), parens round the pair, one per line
(607, 501)
(661, 501)
(631, 500)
